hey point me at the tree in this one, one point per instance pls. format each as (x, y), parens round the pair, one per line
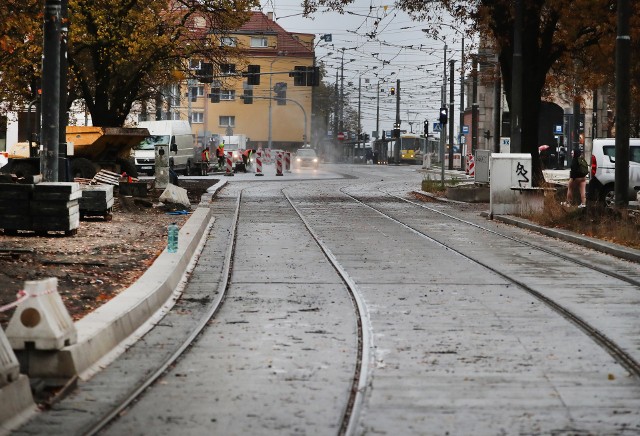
(121, 52)
(555, 34)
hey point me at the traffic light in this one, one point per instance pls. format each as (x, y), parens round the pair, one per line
(253, 75)
(393, 91)
(248, 96)
(487, 134)
(426, 127)
(443, 115)
(313, 76)
(205, 73)
(280, 89)
(299, 75)
(215, 95)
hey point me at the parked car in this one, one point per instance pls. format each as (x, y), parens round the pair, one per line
(307, 157)
(603, 170)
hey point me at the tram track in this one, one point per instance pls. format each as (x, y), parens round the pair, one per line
(106, 419)
(631, 364)
(365, 345)
(362, 366)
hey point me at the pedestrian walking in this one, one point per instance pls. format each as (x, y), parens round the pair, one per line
(577, 179)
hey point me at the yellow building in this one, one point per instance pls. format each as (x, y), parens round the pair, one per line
(277, 52)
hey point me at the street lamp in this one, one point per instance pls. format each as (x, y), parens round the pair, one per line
(280, 53)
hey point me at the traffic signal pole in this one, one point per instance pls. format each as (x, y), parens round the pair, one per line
(451, 123)
(396, 151)
(50, 136)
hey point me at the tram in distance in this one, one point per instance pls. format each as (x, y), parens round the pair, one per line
(412, 148)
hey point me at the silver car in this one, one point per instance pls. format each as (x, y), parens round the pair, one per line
(307, 157)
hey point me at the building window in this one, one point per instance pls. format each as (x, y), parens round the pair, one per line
(258, 41)
(227, 94)
(174, 98)
(227, 68)
(175, 115)
(228, 41)
(196, 91)
(197, 117)
(227, 121)
(195, 64)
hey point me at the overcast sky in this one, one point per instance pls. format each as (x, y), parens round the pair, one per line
(381, 43)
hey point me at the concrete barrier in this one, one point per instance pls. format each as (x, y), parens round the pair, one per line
(102, 330)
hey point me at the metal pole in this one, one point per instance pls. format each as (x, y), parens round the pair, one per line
(378, 111)
(64, 118)
(443, 130)
(341, 103)
(396, 151)
(474, 108)
(51, 92)
(516, 82)
(451, 123)
(359, 109)
(270, 100)
(623, 103)
(462, 156)
(497, 100)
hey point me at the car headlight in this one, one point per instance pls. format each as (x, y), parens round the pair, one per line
(315, 160)
(298, 159)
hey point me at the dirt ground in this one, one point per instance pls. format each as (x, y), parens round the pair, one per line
(101, 260)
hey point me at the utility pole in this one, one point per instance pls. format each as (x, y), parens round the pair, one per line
(359, 109)
(51, 92)
(474, 107)
(462, 155)
(64, 117)
(497, 100)
(623, 104)
(336, 111)
(396, 150)
(342, 93)
(451, 123)
(516, 82)
(378, 111)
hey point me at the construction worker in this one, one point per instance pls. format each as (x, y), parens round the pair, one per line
(205, 160)
(246, 158)
(220, 155)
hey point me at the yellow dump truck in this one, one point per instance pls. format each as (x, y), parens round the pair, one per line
(89, 150)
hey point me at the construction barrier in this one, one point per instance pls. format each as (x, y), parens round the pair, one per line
(279, 164)
(229, 166)
(472, 166)
(268, 156)
(287, 161)
(259, 163)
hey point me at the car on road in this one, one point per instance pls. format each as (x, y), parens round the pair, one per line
(603, 170)
(307, 157)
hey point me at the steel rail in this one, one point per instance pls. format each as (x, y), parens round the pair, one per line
(523, 242)
(364, 359)
(202, 323)
(615, 351)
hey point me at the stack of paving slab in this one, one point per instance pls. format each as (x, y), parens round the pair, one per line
(42, 207)
(96, 200)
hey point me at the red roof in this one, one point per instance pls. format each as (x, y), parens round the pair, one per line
(260, 23)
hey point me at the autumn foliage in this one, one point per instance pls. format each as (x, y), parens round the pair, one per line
(119, 52)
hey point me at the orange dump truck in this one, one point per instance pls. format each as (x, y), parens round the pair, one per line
(89, 150)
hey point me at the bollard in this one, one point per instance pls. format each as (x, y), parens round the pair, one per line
(268, 159)
(259, 163)
(229, 167)
(279, 164)
(42, 319)
(287, 161)
(472, 166)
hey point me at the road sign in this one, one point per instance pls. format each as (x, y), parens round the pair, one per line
(505, 145)
(437, 127)
(340, 136)
(465, 129)
(558, 129)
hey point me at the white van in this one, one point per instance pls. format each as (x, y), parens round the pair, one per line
(175, 133)
(603, 170)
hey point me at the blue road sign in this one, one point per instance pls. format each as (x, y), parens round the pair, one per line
(465, 129)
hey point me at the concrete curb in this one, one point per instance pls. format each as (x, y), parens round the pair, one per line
(17, 404)
(102, 330)
(596, 244)
(565, 235)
